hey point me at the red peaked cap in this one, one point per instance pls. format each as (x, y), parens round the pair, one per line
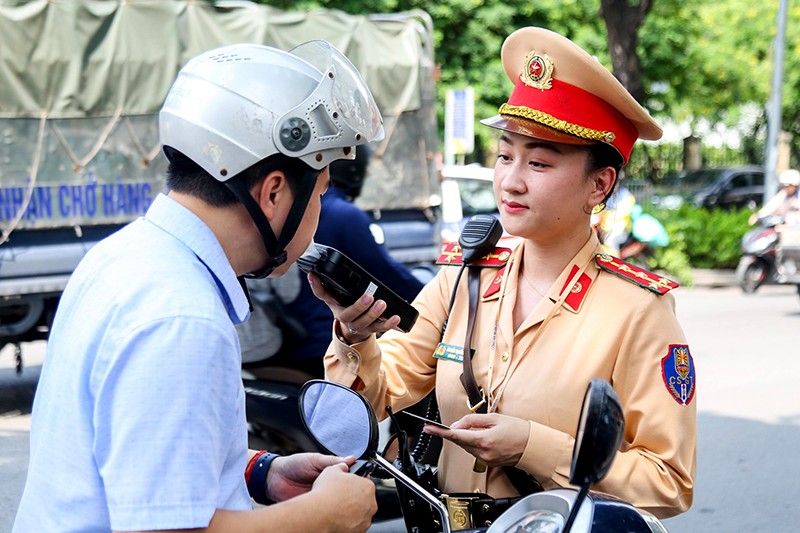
(562, 94)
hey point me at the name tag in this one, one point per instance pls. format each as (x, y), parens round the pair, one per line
(450, 352)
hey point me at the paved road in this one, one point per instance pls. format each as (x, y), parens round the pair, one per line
(746, 352)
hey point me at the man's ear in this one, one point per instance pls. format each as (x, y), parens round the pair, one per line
(271, 191)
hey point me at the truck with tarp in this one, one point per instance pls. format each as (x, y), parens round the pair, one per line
(81, 84)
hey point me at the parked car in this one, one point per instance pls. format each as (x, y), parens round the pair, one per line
(467, 190)
(732, 188)
(724, 188)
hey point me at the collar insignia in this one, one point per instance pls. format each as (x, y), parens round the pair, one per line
(497, 282)
(575, 298)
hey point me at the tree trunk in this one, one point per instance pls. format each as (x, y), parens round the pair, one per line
(623, 19)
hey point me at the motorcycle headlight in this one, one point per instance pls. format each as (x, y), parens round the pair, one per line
(539, 522)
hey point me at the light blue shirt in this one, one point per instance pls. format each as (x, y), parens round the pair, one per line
(139, 417)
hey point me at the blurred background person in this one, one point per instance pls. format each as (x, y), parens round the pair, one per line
(785, 203)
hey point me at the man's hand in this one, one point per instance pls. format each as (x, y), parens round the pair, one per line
(347, 500)
(295, 474)
(498, 440)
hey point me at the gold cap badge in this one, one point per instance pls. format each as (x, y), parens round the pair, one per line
(537, 71)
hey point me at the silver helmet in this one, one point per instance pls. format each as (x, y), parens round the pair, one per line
(231, 107)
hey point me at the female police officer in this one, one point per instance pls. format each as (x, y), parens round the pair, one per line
(559, 313)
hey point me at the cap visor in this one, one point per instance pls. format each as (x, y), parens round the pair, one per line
(533, 129)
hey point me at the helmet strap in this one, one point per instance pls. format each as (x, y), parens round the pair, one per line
(275, 247)
(237, 186)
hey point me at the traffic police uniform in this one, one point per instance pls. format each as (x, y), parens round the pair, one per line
(601, 319)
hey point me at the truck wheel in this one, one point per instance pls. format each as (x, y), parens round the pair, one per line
(753, 277)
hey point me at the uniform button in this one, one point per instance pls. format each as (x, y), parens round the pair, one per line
(352, 356)
(504, 357)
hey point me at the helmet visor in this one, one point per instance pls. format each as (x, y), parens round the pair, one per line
(350, 99)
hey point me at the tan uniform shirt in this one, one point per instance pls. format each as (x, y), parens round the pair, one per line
(614, 330)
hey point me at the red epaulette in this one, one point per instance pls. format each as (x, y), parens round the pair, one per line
(643, 278)
(451, 255)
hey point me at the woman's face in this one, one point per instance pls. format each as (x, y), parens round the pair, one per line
(542, 188)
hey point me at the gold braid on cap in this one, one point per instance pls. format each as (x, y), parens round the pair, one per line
(557, 124)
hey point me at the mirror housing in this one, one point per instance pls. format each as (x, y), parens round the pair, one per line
(600, 430)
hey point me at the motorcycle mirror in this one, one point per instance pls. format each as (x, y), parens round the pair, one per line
(338, 419)
(342, 422)
(600, 430)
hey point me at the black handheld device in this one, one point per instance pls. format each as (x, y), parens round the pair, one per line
(347, 280)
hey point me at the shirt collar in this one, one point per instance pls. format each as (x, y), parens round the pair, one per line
(188, 228)
(572, 302)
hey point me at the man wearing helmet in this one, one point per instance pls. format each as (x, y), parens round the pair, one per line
(138, 422)
(786, 202)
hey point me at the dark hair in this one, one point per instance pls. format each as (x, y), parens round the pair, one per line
(186, 176)
(603, 155)
(349, 174)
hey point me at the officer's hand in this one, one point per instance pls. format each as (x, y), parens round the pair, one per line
(359, 320)
(497, 440)
(293, 475)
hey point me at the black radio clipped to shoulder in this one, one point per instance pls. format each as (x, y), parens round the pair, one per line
(347, 280)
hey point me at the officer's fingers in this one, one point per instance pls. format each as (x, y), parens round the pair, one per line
(320, 292)
(474, 422)
(370, 320)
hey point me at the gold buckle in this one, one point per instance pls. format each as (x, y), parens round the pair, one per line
(478, 405)
(458, 509)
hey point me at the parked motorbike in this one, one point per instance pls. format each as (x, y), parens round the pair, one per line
(759, 249)
(342, 422)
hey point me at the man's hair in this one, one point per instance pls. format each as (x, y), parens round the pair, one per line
(186, 176)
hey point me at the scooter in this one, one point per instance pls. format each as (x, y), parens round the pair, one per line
(757, 265)
(342, 422)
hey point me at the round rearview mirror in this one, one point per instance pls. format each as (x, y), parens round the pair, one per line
(340, 420)
(600, 430)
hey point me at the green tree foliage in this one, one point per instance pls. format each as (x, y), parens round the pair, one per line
(707, 238)
(700, 61)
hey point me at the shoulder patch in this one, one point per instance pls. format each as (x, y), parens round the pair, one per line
(644, 278)
(677, 369)
(451, 255)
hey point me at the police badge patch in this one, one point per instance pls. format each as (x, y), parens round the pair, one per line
(677, 369)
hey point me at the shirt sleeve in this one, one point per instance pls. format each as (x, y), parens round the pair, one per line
(163, 422)
(399, 369)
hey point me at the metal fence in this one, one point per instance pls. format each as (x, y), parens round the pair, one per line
(655, 162)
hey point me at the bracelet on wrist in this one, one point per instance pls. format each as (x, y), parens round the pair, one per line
(256, 476)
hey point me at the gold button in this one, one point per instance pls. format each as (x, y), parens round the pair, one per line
(504, 357)
(352, 356)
